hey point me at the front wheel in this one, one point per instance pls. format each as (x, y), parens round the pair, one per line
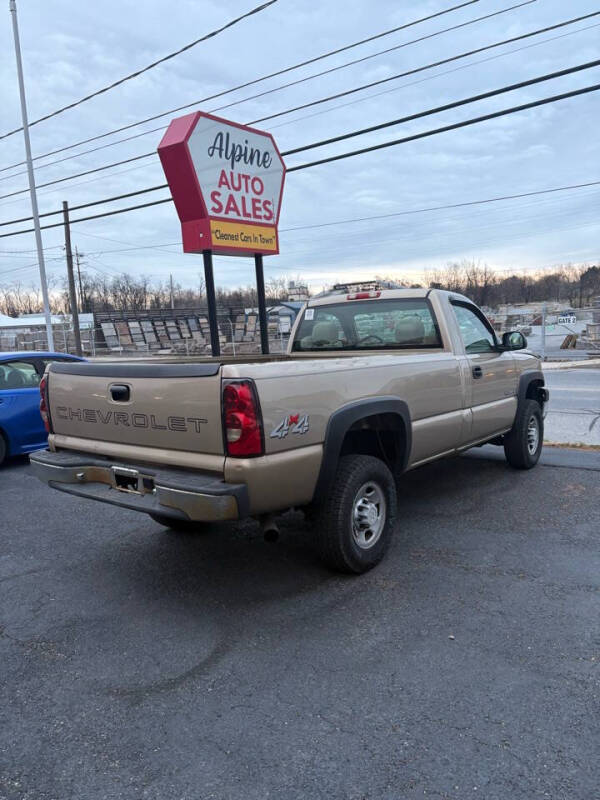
(354, 525)
(523, 443)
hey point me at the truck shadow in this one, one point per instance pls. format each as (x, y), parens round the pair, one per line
(227, 589)
(235, 555)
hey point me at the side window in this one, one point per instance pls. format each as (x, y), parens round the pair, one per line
(476, 336)
(18, 375)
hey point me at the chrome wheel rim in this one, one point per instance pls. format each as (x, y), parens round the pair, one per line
(368, 515)
(533, 435)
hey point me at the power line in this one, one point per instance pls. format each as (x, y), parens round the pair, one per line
(416, 70)
(95, 216)
(372, 148)
(298, 119)
(323, 142)
(276, 89)
(429, 78)
(446, 128)
(373, 55)
(330, 97)
(444, 207)
(88, 205)
(354, 220)
(80, 174)
(300, 64)
(446, 107)
(139, 72)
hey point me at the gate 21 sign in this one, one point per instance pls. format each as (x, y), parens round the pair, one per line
(226, 181)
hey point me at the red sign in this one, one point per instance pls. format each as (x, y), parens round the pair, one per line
(226, 180)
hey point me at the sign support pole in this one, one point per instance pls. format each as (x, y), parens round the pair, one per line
(32, 188)
(262, 306)
(212, 302)
(72, 292)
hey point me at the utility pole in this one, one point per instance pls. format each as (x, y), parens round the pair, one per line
(171, 285)
(79, 279)
(72, 293)
(32, 192)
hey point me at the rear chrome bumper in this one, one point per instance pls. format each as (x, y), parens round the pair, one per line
(181, 494)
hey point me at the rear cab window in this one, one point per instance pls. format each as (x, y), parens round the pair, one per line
(394, 324)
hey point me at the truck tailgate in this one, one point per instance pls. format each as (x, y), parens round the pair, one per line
(169, 406)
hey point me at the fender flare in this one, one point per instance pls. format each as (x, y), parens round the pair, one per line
(340, 423)
(525, 379)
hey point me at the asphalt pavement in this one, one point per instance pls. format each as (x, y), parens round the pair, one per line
(142, 663)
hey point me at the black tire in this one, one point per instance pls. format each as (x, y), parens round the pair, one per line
(183, 525)
(523, 443)
(3, 449)
(340, 520)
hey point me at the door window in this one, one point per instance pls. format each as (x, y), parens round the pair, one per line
(18, 375)
(476, 335)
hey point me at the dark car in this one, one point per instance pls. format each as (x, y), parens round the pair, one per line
(21, 426)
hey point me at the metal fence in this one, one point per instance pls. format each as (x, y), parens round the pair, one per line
(235, 338)
(551, 333)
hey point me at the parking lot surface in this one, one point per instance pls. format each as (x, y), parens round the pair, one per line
(142, 663)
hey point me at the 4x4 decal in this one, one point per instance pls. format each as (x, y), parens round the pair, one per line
(294, 423)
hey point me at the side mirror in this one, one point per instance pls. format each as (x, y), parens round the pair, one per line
(513, 340)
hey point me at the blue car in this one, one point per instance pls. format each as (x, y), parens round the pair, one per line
(21, 426)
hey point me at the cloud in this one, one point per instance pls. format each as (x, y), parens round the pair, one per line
(70, 49)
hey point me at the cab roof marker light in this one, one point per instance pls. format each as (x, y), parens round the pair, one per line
(363, 295)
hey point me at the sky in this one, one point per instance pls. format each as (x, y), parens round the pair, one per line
(70, 49)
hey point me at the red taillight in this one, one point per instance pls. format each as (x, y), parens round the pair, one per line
(241, 419)
(44, 403)
(362, 295)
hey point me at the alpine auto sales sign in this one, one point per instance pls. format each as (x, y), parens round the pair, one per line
(226, 180)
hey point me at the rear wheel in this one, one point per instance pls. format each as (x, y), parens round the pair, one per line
(3, 449)
(523, 443)
(184, 525)
(354, 525)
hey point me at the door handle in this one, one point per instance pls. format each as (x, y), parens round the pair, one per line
(477, 372)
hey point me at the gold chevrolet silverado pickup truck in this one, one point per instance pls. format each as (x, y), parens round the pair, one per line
(374, 383)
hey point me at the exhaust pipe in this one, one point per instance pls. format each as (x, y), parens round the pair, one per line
(269, 528)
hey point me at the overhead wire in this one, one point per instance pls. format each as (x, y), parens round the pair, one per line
(446, 128)
(423, 68)
(447, 106)
(428, 78)
(279, 88)
(337, 95)
(380, 239)
(137, 73)
(361, 132)
(245, 85)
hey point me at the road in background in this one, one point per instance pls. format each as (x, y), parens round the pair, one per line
(574, 409)
(141, 663)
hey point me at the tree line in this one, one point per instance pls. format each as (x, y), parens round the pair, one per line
(570, 285)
